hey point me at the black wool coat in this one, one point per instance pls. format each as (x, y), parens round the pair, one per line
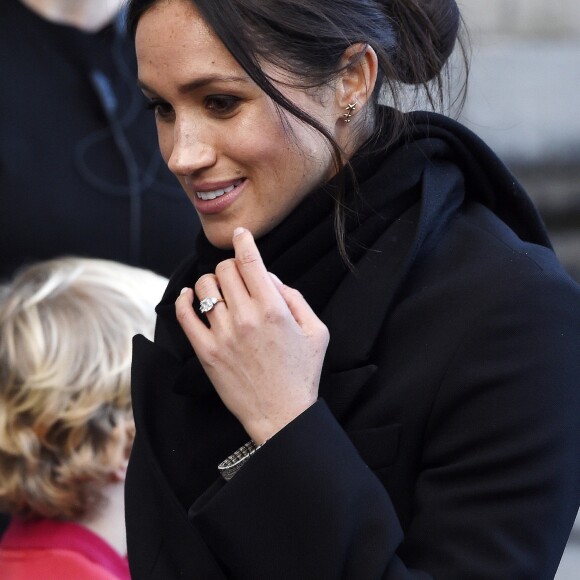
(445, 440)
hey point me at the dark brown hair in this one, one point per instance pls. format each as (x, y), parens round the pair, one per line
(413, 40)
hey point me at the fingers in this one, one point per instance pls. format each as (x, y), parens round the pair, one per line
(243, 282)
(250, 265)
(207, 287)
(232, 285)
(299, 308)
(196, 331)
(192, 326)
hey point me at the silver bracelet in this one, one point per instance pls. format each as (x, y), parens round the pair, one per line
(230, 466)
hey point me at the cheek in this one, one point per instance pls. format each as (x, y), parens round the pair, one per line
(265, 143)
(296, 165)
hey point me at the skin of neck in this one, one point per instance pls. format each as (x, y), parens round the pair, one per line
(86, 15)
(109, 521)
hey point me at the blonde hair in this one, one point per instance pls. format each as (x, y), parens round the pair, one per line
(66, 327)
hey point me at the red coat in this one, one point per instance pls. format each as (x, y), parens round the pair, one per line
(54, 550)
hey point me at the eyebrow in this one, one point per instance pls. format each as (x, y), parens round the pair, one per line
(202, 82)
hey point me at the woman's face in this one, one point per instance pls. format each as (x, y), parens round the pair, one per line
(220, 134)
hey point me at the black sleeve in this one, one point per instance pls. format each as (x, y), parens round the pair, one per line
(305, 506)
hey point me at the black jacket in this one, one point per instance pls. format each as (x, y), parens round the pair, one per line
(445, 440)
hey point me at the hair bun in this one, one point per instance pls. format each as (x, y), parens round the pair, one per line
(426, 34)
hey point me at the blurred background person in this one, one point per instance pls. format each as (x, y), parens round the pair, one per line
(66, 425)
(80, 170)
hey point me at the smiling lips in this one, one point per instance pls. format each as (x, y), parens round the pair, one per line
(207, 195)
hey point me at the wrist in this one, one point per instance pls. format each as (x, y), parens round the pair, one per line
(266, 427)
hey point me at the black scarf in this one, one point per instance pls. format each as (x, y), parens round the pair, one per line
(406, 195)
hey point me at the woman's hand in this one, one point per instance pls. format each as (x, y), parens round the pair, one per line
(265, 347)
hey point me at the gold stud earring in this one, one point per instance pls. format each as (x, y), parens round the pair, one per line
(349, 111)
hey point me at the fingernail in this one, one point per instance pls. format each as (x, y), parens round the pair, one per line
(183, 290)
(239, 231)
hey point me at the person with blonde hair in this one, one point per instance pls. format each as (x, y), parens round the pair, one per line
(66, 424)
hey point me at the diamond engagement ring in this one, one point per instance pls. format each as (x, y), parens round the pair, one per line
(207, 304)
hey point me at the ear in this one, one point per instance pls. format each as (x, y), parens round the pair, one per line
(120, 472)
(122, 449)
(359, 76)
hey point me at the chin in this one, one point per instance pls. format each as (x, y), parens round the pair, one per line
(221, 237)
(220, 240)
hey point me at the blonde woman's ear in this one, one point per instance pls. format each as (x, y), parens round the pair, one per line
(122, 449)
(120, 472)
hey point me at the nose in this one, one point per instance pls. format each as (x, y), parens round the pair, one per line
(191, 151)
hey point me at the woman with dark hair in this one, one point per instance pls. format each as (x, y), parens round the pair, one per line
(369, 366)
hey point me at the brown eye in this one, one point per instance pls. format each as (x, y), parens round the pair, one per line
(222, 104)
(161, 109)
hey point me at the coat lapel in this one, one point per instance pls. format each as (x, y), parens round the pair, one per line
(372, 290)
(154, 370)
